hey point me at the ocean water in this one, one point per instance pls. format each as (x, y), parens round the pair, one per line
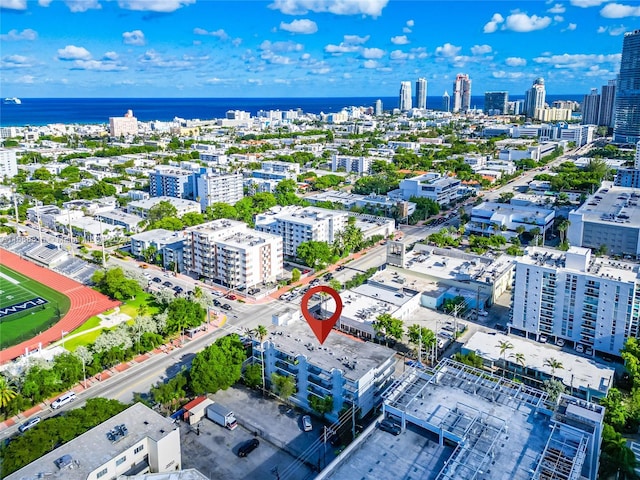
(42, 111)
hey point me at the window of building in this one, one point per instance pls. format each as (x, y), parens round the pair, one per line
(120, 461)
(102, 473)
(139, 449)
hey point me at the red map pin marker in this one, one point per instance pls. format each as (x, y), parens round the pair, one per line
(321, 328)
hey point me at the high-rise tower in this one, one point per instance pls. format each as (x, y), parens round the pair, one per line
(446, 102)
(421, 93)
(534, 97)
(607, 101)
(591, 108)
(496, 103)
(405, 96)
(627, 105)
(461, 93)
(378, 108)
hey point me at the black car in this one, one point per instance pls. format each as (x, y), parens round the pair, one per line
(226, 306)
(387, 425)
(328, 277)
(340, 268)
(178, 289)
(248, 447)
(217, 303)
(156, 279)
(167, 284)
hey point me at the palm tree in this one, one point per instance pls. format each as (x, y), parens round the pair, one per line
(261, 333)
(519, 360)
(7, 392)
(553, 364)
(563, 225)
(504, 346)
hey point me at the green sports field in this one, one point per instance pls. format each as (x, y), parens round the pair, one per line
(26, 307)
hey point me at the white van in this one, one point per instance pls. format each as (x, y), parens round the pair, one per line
(63, 400)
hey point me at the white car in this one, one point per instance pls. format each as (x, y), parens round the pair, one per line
(579, 348)
(543, 338)
(560, 342)
(29, 424)
(306, 423)
(483, 313)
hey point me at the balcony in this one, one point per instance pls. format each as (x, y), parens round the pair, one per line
(317, 381)
(286, 367)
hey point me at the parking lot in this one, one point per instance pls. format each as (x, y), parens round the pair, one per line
(283, 443)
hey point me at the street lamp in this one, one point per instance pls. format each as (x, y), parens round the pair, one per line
(62, 337)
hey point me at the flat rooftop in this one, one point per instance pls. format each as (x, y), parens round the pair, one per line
(158, 235)
(150, 202)
(217, 226)
(495, 426)
(93, 448)
(245, 239)
(612, 205)
(301, 215)
(508, 210)
(577, 371)
(339, 351)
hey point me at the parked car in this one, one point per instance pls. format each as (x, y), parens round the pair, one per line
(226, 306)
(501, 328)
(483, 313)
(216, 303)
(156, 279)
(543, 338)
(248, 447)
(340, 268)
(32, 422)
(579, 348)
(415, 364)
(178, 289)
(327, 277)
(588, 351)
(560, 342)
(167, 284)
(387, 425)
(230, 296)
(307, 426)
(305, 271)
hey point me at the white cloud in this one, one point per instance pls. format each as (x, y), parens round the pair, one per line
(521, 22)
(515, 62)
(492, 25)
(28, 79)
(572, 26)
(557, 8)
(44, 3)
(255, 81)
(136, 37)
(587, 3)
(613, 31)
(579, 60)
(98, 65)
(303, 25)
(617, 10)
(596, 71)
(15, 35)
(481, 49)
(372, 8)
(558, 18)
(13, 4)
(406, 30)
(372, 53)
(71, 52)
(79, 6)
(400, 40)
(398, 55)
(220, 33)
(236, 42)
(154, 59)
(355, 39)
(503, 74)
(15, 61)
(370, 64)
(110, 56)
(161, 6)
(448, 50)
(410, 23)
(281, 46)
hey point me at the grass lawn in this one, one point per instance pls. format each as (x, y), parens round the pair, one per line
(86, 339)
(16, 288)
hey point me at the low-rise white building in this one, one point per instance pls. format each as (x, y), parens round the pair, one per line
(351, 164)
(141, 207)
(503, 218)
(440, 189)
(135, 441)
(8, 163)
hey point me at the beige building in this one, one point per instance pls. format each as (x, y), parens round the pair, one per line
(228, 252)
(136, 441)
(123, 126)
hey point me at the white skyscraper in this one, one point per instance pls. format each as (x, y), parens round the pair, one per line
(421, 93)
(405, 96)
(461, 93)
(446, 102)
(534, 97)
(8, 164)
(378, 108)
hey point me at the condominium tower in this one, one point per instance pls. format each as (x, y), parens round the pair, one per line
(593, 302)
(446, 102)
(461, 93)
(627, 106)
(535, 97)
(607, 102)
(496, 103)
(123, 126)
(591, 108)
(405, 96)
(421, 93)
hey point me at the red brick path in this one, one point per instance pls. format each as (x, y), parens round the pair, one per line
(84, 303)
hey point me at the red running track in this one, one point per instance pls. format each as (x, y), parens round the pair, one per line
(84, 303)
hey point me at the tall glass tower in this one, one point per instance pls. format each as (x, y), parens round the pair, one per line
(421, 93)
(405, 96)
(627, 106)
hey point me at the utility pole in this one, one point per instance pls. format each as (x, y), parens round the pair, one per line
(15, 206)
(39, 224)
(104, 262)
(70, 232)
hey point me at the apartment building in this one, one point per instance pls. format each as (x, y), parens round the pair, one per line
(133, 442)
(592, 302)
(500, 218)
(351, 164)
(169, 244)
(141, 207)
(350, 371)
(168, 181)
(123, 126)
(296, 225)
(219, 187)
(8, 163)
(433, 185)
(609, 217)
(229, 253)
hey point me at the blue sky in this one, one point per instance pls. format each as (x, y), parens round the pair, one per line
(305, 48)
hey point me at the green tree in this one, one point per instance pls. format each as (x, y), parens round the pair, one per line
(42, 174)
(470, 358)
(115, 284)
(183, 314)
(192, 218)
(553, 388)
(553, 364)
(321, 406)
(253, 375)
(218, 366)
(388, 326)
(221, 210)
(617, 459)
(283, 386)
(261, 333)
(421, 337)
(170, 393)
(314, 254)
(295, 275)
(616, 412)
(563, 226)
(7, 392)
(161, 210)
(631, 356)
(335, 284)
(504, 347)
